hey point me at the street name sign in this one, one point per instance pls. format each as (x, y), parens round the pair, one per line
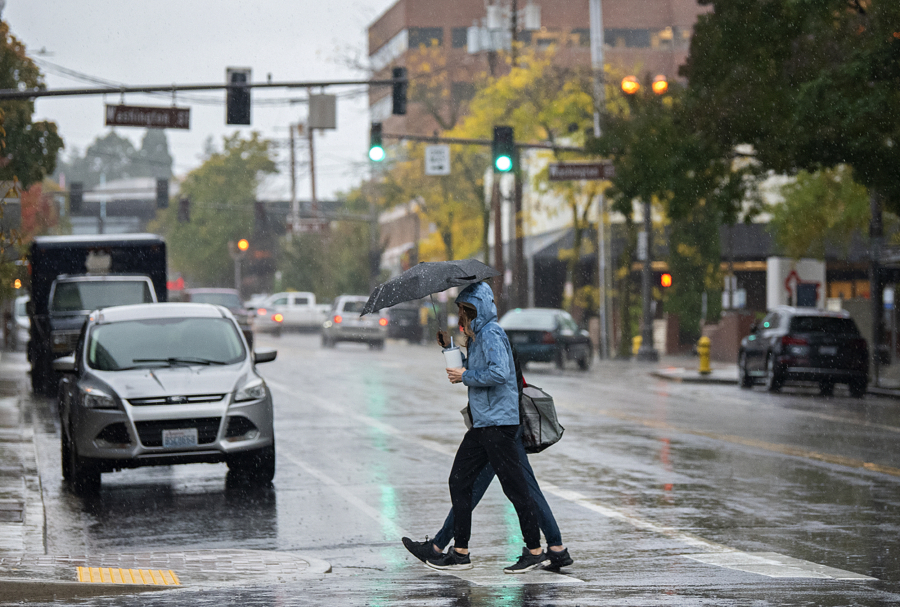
(437, 160)
(574, 171)
(148, 117)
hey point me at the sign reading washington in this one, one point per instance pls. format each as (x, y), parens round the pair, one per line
(148, 117)
(561, 171)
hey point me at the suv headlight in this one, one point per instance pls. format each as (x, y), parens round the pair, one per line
(253, 390)
(97, 399)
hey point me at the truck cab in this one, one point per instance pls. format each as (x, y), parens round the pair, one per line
(73, 297)
(299, 310)
(73, 275)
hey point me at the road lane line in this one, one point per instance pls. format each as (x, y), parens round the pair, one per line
(839, 460)
(360, 505)
(790, 567)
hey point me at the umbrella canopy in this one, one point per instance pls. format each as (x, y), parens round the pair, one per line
(426, 278)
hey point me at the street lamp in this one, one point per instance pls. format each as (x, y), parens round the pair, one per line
(237, 250)
(646, 352)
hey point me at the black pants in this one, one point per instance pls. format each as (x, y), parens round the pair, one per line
(495, 445)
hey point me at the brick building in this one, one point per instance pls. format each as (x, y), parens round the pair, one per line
(643, 36)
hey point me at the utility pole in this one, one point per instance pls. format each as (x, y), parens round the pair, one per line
(520, 278)
(295, 204)
(314, 204)
(596, 25)
(498, 280)
(647, 352)
(876, 286)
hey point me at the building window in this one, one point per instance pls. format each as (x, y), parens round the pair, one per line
(627, 38)
(419, 36)
(389, 51)
(459, 37)
(583, 35)
(462, 91)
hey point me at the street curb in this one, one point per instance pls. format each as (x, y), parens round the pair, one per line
(25, 590)
(692, 377)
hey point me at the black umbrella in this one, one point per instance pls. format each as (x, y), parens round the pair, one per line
(426, 278)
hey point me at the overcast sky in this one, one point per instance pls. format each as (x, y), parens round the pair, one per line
(192, 42)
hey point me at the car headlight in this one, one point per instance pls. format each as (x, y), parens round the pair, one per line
(97, 399)
(252, 390)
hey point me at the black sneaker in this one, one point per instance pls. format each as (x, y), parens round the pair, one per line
(451, 560)
(558, 560)
(527, 562)
(421, 550)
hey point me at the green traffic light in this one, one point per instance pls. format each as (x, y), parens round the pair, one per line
(376, 153)
(503, 164)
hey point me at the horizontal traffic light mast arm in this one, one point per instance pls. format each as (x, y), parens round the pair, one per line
(487, 142)
(163, 88)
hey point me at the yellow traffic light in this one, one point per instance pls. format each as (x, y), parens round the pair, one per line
(660, 85)
(243, 244)
(666, 280)
(17, 283)
(630, 85)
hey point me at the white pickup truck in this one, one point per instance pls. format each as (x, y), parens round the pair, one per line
(299, 310)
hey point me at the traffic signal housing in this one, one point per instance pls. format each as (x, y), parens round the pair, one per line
(398, 92)
(376, 148)
(237, 102)
(503, 148)
(162, 193)
(76, 196)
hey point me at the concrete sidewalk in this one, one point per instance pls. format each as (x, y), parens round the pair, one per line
(28, 573)
(685, 369)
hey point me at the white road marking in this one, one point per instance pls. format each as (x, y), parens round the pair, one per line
(363, 507)
(772, 564)
(769, 564)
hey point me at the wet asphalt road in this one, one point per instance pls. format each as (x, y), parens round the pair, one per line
(657, 486)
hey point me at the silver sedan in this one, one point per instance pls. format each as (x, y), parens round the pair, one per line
(159, 384)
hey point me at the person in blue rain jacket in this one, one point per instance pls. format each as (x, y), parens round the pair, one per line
(489, 373)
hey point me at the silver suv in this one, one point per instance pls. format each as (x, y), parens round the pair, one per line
(345, 324)
(161, 384)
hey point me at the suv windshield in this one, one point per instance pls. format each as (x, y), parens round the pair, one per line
(823, 324)
(163, 342)
(86, 295)
(227, 300)
(529, 320)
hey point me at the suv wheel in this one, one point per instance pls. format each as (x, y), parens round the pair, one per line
(774, 378)
(744, 375)
(84, 475)
(254, 467)
(858, 387)
(65, 456)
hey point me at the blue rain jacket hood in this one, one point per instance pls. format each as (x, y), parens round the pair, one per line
(490, 371)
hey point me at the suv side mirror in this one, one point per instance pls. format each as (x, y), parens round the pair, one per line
(754, 328)
(264, 355)
(66, 364)
(29, 308)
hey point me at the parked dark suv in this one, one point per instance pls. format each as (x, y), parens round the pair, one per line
(805, 344)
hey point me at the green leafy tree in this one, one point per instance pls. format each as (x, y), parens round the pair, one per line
(221, 191)
(28, 149)
(810, 84)
(661, 158)
(819, 208)
(114, 157)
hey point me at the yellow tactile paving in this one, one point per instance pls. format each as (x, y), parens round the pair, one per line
(109, 575)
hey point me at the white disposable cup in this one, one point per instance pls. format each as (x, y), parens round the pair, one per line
(453, 358)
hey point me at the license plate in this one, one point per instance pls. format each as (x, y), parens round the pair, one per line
(180, 437)
(519, 339)
(828, 350)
